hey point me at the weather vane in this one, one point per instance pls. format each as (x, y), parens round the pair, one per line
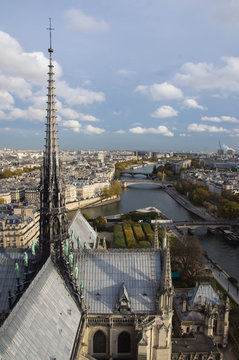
(50, 29)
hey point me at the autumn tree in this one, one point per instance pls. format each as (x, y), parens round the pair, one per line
(116, 188)
(187, 258)
(99, 222)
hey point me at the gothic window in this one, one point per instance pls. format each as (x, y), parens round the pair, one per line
(124, 343)
(214, 326)
(99, 342)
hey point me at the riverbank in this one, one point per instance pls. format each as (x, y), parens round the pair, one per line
(183, 201)
(91, 203)
(102, 202)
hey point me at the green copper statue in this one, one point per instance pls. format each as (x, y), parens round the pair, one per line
(71, 259)
(17, 271)
(25, 257)
(66, 247)
(33, 248)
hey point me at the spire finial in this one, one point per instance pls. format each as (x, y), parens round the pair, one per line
(50, 29)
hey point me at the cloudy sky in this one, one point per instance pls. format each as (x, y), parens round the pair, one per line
(130, 74)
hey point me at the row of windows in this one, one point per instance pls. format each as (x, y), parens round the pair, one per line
(99, 343)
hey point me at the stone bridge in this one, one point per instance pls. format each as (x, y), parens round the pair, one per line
(125, 183)
(135, 174)
(211, 223)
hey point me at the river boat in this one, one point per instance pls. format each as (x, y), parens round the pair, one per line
(231, 237)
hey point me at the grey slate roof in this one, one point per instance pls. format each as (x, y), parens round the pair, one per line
(104, 272)
(82, 228)
(44, 322)
(204, 293)
(8, 280)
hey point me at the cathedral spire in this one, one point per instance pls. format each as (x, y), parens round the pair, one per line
(53, 221)
(166, 290)
(156, 236)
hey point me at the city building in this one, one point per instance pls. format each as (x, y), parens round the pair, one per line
(86, 303)
(20, 228)
(5, 196)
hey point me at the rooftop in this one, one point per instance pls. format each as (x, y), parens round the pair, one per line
(104, 271)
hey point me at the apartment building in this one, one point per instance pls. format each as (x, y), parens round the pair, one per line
(20, 228)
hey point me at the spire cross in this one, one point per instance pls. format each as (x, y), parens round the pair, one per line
(50, 29)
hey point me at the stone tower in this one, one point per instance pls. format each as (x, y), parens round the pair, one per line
(53, 220)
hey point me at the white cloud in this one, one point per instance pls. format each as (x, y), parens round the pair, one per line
(78, 96)
(87, 117)
(220, 119)
(161, 91)
(125, 73)
(6, 100)
(14, 62)
(120, 132)
(192, 104)
(183, 135)
(164, 112)
(85, 23)
(72, 114)
(204, 76)
(23, 76)
(226, 147)
(73, 125)
(16, 85)
(231, 119)
(161, 130)
(202, 128)
(89, 129)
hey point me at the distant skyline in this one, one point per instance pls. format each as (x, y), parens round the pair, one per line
(138, 74)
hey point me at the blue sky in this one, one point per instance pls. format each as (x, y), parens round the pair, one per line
(130, 74)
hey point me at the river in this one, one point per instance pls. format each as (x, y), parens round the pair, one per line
(144, 195)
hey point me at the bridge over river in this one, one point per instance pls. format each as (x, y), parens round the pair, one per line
(159, 183)
(149, 175)
(211, 223)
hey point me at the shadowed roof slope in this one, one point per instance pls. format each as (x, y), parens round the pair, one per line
(44, 322)
(82, 228)
(104, 272)
(8, 281)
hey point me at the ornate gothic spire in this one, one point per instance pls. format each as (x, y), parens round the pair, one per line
(156, 236)
(53, 221)
(166, 290)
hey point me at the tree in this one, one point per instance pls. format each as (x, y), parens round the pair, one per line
(116, 188)
(100, 222)
(187, 258)
(105, 192)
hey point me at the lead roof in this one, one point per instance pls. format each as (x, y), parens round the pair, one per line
(82, 228)
(44, 323)
(103, 272)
